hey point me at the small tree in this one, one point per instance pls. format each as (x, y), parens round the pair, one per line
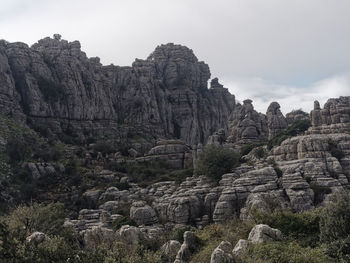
(335, 226)
(214, 161)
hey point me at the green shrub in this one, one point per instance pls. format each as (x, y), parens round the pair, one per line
(178, 233)
(214, 161)
(278, 171)
(145, 174)
(49, 153)
(319, 192)
(303, 227)
(335, 151)
(296, 128)
(25, 220)
(121, 221)
(260, 152)
(104, 147)
(335, 226)
(249, 147)
(20, 148)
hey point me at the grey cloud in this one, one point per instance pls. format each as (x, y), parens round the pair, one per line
(269, 49)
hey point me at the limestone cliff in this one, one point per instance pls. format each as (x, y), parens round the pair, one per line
(53, 84)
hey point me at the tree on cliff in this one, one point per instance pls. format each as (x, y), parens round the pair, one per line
(214, 161)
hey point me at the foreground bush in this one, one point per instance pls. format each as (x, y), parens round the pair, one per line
(25, 220)
(335, 227)
(214, 161)
(281, 252)
(303, 227)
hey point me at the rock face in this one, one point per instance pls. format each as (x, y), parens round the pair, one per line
(56, 86)
(276, 122)
(246, 125)
(333, 118)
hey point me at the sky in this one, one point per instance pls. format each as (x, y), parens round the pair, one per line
(290, 51)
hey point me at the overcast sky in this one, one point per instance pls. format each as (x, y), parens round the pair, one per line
(290, 51)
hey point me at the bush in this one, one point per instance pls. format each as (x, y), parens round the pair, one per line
(121, 221)
(25, 220)
(20, 148)
(249, 147)
(104, 147)
(335, 226)
(296, 128)
(303, 227)
(319, 192)
(335, 151)
(215, 161)
(285, 252)
(145, 174)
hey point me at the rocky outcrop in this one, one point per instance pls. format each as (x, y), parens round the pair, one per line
(57, 87)
(246, 125)
(240, 248)
(276, 122)
(96, 236)
(333, 118)
(176, 154)
(143, 214)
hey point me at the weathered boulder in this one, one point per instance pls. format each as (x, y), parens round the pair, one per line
(96, 236)
(264, 234)
(240, 248)
(143, 214)
(131, 235)
(222, 254)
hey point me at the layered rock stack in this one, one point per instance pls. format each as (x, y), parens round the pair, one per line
(276, 122)
(247, 125)
(333, 118)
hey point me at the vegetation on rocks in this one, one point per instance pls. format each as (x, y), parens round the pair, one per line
(296, 128)
(214, 161)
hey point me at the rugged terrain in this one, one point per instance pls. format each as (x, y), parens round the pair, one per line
(120, 148)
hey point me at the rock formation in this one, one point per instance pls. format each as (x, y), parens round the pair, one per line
(333, 118)
(247, 125)
(276, 122)
(55, 86)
